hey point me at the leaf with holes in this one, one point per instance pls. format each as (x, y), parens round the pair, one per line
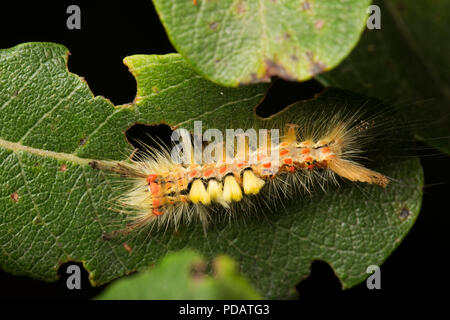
(182, 275)
(405, 63)
(234, 42)
(53, 205)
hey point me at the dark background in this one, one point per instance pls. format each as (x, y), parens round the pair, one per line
(111, 31)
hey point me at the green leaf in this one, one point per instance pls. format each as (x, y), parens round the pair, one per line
(181, 275)
(234, 42)
(405, 63)
(54, 207)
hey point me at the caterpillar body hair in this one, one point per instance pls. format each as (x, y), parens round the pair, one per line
(311, 151)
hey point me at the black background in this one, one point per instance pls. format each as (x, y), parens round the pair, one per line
(111, 31)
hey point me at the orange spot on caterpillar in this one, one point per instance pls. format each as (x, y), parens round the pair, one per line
(292, 169)
(208, 173)
(284, 152)
(260, 157)
(151, 178)
(311, 166)
(267, 165)
(288, 161)
(156, 203)
(154, 188)
(240, 164)
(308, 159)
(326, 150)
(193, 173)
(223, 169)
(305, 151)
(157, 212)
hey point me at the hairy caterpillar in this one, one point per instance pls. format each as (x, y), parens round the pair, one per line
(311, 150)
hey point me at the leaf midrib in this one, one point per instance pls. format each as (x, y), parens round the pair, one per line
(17, 147)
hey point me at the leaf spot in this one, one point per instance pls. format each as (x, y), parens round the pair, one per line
(198, 271)
(316, 66)
(15, 197)
(319, 24)
(275, 69)
(106, 236)
(155, 89)
(213, 25)
(83, 141)
(306, 5)
(404, 213)
(37, 220)
(127, 247)
(240, 8)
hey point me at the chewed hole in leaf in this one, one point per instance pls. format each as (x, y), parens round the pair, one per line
(321, 282)
(13, 286)
(143, 137)
(283, 93)
(74, 278)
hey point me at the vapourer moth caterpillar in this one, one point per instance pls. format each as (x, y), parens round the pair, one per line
(273, 160)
